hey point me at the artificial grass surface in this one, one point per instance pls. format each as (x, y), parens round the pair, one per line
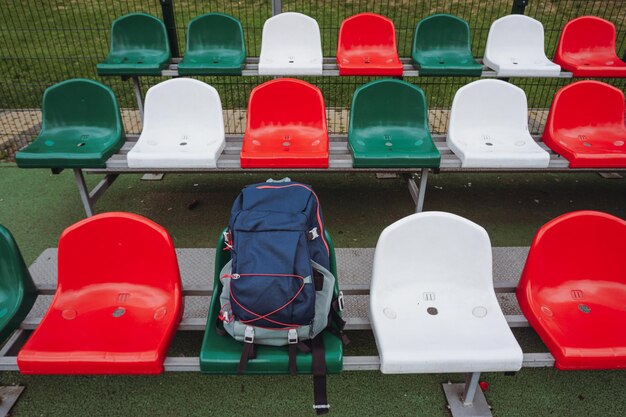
(37, 206)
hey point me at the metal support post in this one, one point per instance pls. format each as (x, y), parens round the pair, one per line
(519, 6)
(277, 7)
(418, 193)
(467, 399)
(138, 96)
(167, 8)
(471, 385)
(87, 197)
(83, 191)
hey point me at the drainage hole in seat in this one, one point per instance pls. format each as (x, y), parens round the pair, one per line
(388, 144)
(81, 144)
(618, 143)
(390, 313)
(587, 144)
(432, 311)
(69, 314)
(119, 312)
(546, 310)
(488, 143)
(584, 308)
(479, 312)
(183, 143)
(286, 144)
(216, 61)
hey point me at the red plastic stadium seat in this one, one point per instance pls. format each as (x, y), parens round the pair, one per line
(586, 125)
(587, 48)
(367, 46)
(286, 126)
(118, 301)
(573, 290)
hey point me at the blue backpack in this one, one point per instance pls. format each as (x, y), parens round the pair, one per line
(278, 289)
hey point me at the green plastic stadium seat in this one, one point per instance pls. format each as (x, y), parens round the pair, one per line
(389, 127)
(139, 46)
(215, 46)
(221, 354)
(441, 46)
(81, 127)
(17, 290)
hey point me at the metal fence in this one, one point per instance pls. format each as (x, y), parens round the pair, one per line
(43, 42)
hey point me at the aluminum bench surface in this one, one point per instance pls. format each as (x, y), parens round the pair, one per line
(330, 69)
(354, 266)
(340, 160)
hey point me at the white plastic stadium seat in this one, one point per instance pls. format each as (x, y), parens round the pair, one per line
(488, 127)
(291, 45)
(515, 48)
(433, 308)
(183, 127)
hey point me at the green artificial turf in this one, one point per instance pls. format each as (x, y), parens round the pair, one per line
(36, 206)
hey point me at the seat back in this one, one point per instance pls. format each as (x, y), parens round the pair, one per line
(215, 32)
(515, 37)
(17, 290)
(432, 247)
(80, 102)
(14, 275)
(291, 36)
(488, 103)
(586, 36)
(577, 246)
(285, 102)
(388, 103)
(366, 30)
(441, 32)
(586, 104)
(181, 106)
(139, 31)
(120, 248)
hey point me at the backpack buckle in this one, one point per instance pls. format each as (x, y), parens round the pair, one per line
(228, 240)
(321, 406)
(224, 316)
(340, 301)
(312, 234)
(292, 337)
(248, 336)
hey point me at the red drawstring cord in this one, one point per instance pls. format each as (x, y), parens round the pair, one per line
(265, 316)
(221, 315)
